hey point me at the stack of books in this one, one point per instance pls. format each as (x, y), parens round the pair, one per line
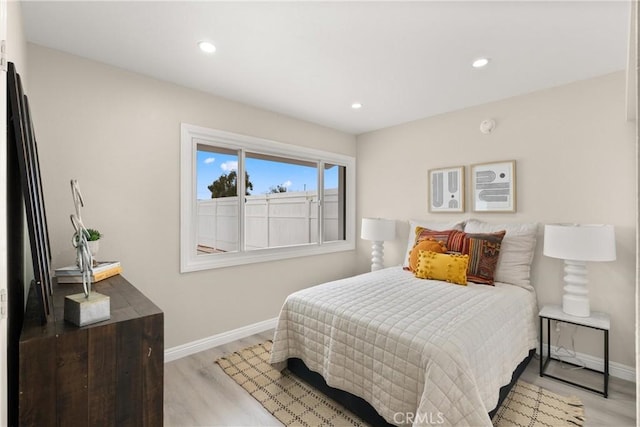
(101, 271)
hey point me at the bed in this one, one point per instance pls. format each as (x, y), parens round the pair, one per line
(418, 351)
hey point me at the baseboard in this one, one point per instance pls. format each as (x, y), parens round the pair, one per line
(184, 350)
(617, 370)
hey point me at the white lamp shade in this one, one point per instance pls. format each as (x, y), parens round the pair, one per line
(378, 229)
(576, 242)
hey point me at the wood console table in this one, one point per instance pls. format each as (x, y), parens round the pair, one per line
(105, 374)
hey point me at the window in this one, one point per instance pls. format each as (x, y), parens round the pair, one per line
(293, 201)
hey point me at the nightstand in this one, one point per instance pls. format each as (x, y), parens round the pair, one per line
(597, 320)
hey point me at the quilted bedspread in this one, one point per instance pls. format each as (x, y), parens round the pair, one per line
(421, 352)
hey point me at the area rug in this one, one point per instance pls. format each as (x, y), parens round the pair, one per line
(294, 403)
(529, 405)
(290, 400)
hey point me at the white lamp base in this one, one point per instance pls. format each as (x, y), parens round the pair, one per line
(377, 255)
(575, 300)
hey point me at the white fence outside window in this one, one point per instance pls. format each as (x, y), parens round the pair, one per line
(272, 220)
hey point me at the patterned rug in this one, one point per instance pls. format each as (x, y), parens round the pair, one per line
(294, 403)
(529, 405)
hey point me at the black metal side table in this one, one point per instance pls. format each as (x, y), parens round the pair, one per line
(597, 320)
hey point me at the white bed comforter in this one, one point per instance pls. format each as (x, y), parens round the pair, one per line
(420, 352)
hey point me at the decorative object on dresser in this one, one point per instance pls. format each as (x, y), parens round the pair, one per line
(576, 244)
(493, 186)
(446, 189)
(101, 270)
(378, 230)
(94, 241)
(87, 307)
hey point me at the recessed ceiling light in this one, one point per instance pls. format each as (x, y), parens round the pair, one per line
(480, 62)
(206, 46)
(356, 105)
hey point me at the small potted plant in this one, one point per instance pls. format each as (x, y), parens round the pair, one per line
(94, 240)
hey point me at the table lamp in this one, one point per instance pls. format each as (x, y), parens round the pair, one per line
(576, 244)
(378, 230)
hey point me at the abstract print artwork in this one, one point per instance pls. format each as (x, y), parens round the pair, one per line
(446, 189)
(494, 186)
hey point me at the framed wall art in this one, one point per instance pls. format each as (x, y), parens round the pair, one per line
(493, 186)
(23, 152)
(446, 189)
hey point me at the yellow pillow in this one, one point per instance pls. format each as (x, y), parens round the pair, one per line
(448, 267)
(424, 245)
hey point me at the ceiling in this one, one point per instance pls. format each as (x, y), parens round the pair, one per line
(312, 60)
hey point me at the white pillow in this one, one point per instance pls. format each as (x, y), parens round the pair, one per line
(432, 225)
(516, 250)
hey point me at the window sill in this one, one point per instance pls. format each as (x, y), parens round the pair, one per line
(230, 259)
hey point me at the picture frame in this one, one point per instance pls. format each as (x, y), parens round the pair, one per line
(24, 152)
(446, 189)
(493, 186)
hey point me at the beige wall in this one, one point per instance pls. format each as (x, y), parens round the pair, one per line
(575, 158)
(16, 42)
(118, 133)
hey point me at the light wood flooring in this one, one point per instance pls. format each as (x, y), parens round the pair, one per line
(198, 393)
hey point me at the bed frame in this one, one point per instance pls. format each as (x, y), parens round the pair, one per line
(362, 408)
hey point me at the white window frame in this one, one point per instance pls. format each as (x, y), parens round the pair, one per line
(191, 136)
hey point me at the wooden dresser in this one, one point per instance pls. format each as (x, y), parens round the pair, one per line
(106, 374)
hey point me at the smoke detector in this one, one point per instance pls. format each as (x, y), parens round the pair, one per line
(487, 126)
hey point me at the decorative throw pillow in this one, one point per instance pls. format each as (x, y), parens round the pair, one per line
(432, 225)
(516, 250)
(483, 250)
(424, 245)
(421, 233)
(440, 236)
(448, 267)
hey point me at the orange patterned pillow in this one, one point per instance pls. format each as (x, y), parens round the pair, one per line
(443, 236)
(424, 245)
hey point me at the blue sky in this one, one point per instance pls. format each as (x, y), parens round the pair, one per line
(262, 174)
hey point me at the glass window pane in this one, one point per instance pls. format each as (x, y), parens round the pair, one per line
(334, 202)
(282, 207)
(217, 200)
